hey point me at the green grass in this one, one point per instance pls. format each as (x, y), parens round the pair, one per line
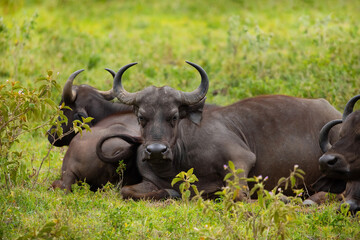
(103, 215)
(248, 48)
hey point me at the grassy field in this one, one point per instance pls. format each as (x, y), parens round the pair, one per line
(248, 48)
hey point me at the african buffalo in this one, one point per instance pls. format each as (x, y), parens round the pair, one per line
(340, 162)
(84, 101)
(82, 163)
(264, 135)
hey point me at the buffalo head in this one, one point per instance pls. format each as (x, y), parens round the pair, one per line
(342, 159)
(159, 111)
(83, 101)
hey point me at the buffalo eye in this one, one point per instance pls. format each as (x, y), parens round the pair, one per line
(141, 120)
(173, 120)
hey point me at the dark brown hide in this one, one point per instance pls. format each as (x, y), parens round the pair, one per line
(352, 195)
(265, 135)
(81, 162)
(84, 101)
(341, 160)
(349, 191)
(320, 198)
(257, 134)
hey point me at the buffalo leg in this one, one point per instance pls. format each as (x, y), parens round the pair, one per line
(245, 160)
(67, 179)
(320, 198)
(146, 190)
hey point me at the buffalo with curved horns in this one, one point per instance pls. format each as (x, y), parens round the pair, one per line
(82, 162)
(340, 162)
(264, 135)
(84, 101)
(94, 156)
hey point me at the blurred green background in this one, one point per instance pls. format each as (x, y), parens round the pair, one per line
(302, 48)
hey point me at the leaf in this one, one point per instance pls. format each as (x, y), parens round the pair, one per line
(88, 129)
(77, 123)
(300, 171)
(181, 175)
(220, 193)
(281, 181)
(250, 179)
(87, 120)
(196, 191)
(260, 198)
(227, 176)
(252, 191)
(175, 180)
(50, 102)
(231, 165)
(193, 178)
(293, 181)
(39, 79)
(57, 86)
(299, 175)
(190, 171)
(182, 187)
(187, 194)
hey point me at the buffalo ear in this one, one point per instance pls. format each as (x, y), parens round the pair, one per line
(325, 184)
(193, 112)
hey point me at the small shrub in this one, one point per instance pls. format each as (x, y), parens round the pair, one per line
(18, 107)
(187, 178)
(271, 217)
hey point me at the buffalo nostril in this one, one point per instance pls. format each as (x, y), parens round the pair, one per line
(329, 160)
(156, 148)
(333, 161)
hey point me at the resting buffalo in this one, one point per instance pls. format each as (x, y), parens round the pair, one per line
(264, 135)
(84, 101)
(340, 162)
(81, 162)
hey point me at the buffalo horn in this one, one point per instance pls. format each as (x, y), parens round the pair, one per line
(324, 135)
(198, 94)
(111, 72)
(120, 92)
(68, 94)
(108, 95)
(349, 108)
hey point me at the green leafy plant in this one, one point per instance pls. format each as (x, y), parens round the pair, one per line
(275, 212)
(187, 178)
(270, 217)
(18, 107)
(120, 171)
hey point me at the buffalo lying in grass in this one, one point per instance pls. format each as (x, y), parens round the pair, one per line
(82, 163)
(264, 135)
(340, 162)
(83, 101)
